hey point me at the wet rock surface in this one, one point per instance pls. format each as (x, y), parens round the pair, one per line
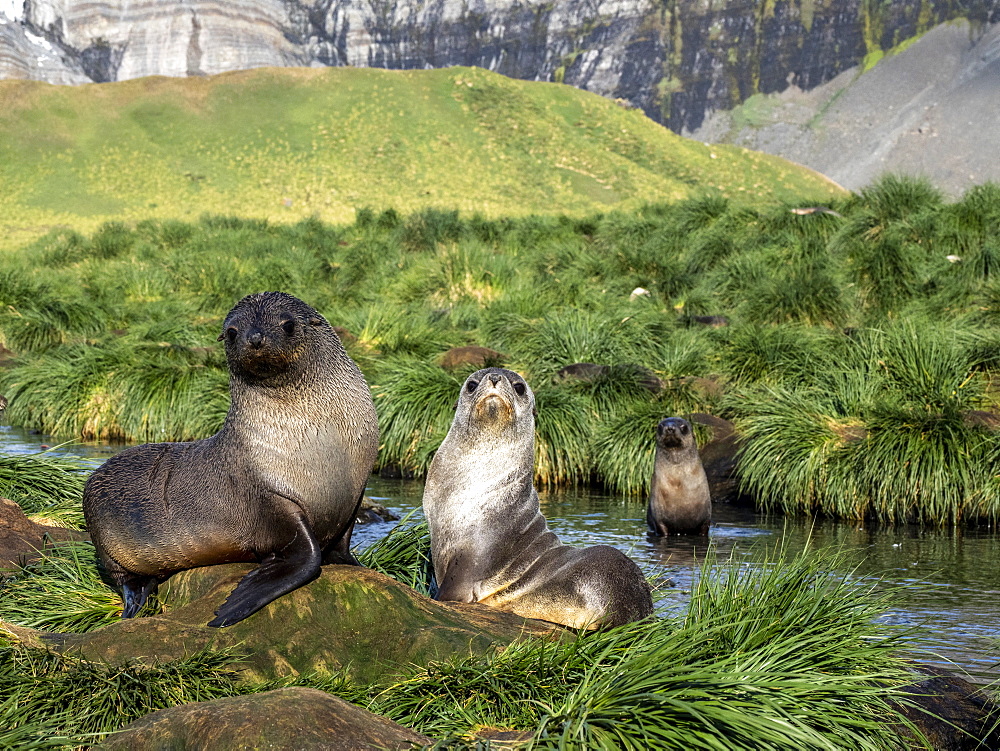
(952, 713)
(288, 718)
(370, 512)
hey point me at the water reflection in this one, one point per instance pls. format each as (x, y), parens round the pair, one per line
(950, 580)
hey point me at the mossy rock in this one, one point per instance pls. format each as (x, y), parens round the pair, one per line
(288, 718)
(349, 618)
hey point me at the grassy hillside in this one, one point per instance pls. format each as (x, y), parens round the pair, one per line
(285, 144)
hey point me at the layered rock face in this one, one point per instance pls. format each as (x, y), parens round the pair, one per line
(675, 59)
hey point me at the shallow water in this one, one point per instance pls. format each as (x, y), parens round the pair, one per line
(950, 580)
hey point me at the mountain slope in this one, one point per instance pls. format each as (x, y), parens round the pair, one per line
(290, 143)
(930, 109)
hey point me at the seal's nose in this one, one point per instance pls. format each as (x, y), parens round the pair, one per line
(495, 378)
(255, 338)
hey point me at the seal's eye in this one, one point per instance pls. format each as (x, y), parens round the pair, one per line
(684, 429)
(289, 326)
(231, 333)
(471, 386)
(519, 388)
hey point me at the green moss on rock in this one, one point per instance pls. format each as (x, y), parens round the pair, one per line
(350, 619)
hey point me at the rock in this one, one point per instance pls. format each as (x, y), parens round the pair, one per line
(287, 718)
(714, 322)
(21, 540)
(718, 456)
(589, 372)
(675, 65)
(952, 713)
(910, 114)
(981, 419)
(371, 511)
(706, 388)
(349, 618)
(345, 336)
(477, 357)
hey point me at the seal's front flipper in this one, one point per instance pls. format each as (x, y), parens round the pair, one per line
(136, 590)
(295, 564)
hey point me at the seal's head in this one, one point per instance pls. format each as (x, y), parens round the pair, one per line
(494, 400)
(673, 433)
(267, 336)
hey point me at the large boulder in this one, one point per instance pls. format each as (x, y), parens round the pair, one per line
(951, 712)
(288, 718)
(350, 618)
(21, 540)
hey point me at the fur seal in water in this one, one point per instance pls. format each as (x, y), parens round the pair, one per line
(679, 498)
(279, 483)
(489, 540)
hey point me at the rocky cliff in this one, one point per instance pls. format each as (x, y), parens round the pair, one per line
(674, 59)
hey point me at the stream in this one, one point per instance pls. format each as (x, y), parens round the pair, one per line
(949, 579)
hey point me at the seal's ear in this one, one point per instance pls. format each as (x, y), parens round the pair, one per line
(314, 321)
(455, 405)
(221, 336)
(534, 411)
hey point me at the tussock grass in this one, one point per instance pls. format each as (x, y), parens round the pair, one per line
(404, 554)
(779, 655)
(114, 332)
(415, 401)
(61, 592)
(884, 437)
(46, 695)
(47, 486)
(783, 653)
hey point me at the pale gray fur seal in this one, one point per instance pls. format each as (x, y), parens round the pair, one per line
(278, 484)
(489, 540)
(679, 499)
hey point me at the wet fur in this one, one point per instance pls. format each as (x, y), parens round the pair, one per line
(679, 498)
(278, 484)
(489, 540)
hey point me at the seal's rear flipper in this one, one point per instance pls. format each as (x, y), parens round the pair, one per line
(282, 571)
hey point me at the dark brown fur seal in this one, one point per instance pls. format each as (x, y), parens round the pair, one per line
(489, 540)
(278, 484)
(679, 498)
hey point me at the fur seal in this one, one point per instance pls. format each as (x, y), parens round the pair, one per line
(279, 483)
(679, 498)
(489, 540)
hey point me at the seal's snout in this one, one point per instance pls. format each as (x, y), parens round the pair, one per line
(255, 338)
(494, 378)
